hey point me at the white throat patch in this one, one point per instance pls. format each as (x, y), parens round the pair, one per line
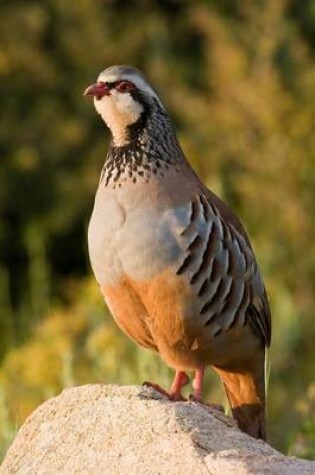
(118, 110)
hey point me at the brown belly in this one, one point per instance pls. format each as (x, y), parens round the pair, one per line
(162, 315)
(129, 313)
(153, 315)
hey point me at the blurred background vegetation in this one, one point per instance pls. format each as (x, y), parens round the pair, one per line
(238, 77)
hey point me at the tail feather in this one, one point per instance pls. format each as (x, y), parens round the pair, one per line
(251, 419)
(245, 391)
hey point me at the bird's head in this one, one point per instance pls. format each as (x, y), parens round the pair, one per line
(123, 98)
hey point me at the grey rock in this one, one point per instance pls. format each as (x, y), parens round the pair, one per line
(99, 430)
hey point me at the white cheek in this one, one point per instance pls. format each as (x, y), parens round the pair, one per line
(106, 109)
(127, 105)
(118, 111)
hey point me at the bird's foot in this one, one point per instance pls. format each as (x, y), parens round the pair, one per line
(175, 394)
(197, 396)
(171, 396)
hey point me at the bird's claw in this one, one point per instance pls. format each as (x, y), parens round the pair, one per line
(170, 396)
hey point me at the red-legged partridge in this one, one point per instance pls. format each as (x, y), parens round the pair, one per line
(174, 263)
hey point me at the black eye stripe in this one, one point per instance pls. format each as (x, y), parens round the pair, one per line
(110, 85)
(114, 84)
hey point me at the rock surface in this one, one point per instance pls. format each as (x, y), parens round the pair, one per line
(99, 430)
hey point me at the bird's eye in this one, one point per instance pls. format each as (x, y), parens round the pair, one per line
(124, 86)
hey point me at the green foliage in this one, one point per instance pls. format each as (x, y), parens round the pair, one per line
(303, 438)
(238, 79)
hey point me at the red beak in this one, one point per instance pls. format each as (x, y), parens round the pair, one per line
(99, 89)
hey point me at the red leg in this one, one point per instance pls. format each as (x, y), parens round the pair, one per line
(180, 380)
(175, 394)
(197, 385)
